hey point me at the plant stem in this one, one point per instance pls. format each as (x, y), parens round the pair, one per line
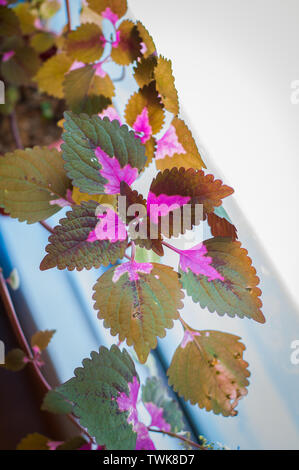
(12, 316)
(177, 436)
(133, 252)
(173, 248)
(46, 226)
(68, 12)
(15, 130)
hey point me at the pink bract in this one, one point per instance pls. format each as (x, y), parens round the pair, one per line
(113, 173)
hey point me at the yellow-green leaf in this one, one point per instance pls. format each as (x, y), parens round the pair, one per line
(29, 180)
(85, 43)
(128, 48)
(50, 76)
(184, 155)
(236, 293)
(208, 369)
(41, 339)
(147, 98)
(141, 300)
(165, 85)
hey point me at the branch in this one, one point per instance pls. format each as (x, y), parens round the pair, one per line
(46, 226)
(15, 130)
(178, 436)
(12, 316)
(68, 12)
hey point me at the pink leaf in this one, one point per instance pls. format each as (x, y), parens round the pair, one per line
(142, 125)
(7, 55)
(76, 65)
(188, 337)
(63, 202)
(196, 260)
(163, 204)
(111, 114)
(132, 268)
(169, 145)
(109, 15)
(99, 70)
(110, 227)
(157, 417)
(112, 171)
(129, 403)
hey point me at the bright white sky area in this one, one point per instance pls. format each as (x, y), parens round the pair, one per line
(234, 63)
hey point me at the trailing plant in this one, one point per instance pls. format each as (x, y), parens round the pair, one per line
(92, 170)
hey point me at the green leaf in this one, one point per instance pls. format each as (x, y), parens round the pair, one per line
(9, 22)
(146, 256)
(154, 392)
(140, 302)
(41, 339)
(34, 441)
(21, 67)
(86, 92)
(208, 369)
(14, 360)
(29, 180)
(75, 443)
(54, 402)
(69, 247)
(238, 294)
(83, 134)
(94, 391)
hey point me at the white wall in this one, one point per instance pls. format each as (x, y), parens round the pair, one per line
(234, 62)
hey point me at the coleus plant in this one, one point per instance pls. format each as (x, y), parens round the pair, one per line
(93, 170)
